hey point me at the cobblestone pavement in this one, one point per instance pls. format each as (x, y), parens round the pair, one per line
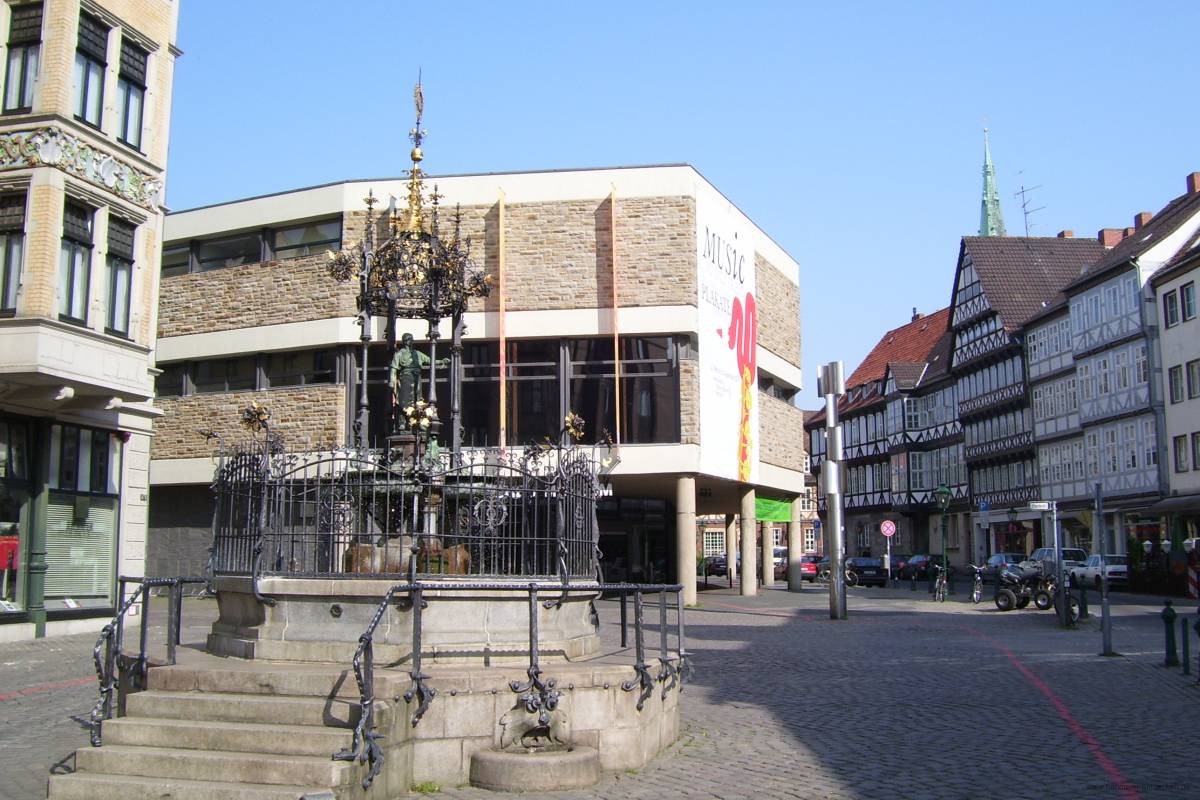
(907, 698)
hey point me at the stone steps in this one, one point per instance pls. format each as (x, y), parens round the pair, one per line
(232, 707)
(226, 731)
(198, 765)
(247, 737)
(87, 786)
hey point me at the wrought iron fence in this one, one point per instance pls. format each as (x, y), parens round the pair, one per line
(359, 513)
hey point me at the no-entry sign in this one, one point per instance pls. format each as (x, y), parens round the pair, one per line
(887, 527)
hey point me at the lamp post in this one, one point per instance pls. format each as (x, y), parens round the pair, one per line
(942, 493)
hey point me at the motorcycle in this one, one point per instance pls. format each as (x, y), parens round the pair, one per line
(1016, 589)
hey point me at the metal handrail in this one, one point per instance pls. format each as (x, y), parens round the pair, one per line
(112, 637)
(539, 696)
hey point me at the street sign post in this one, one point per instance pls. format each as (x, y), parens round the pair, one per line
(888, 529)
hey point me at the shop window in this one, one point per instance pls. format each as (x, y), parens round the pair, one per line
(24, 53)
(90, 60)
(12, 248)
(308, 239)
(75, 262)
(131, 94)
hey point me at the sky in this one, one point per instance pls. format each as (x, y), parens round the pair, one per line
(850, 132)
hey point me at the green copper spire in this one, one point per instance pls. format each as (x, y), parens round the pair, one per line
(991, 220)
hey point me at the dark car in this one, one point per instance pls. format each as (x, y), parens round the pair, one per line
(1001, 561)
(919, 566)
(869, 571)
(714, 565)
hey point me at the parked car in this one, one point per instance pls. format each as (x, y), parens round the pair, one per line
(898, 562)
(808, 567)
(869, 571)
(920, 566)
(714, 565)
(1072, 557)
(1088, 574)
(781, 562)
(1000, 561)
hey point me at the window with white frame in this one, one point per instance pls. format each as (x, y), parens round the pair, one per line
(1180, 445)
(1187, 301)
(1170, 309)
(1196, 450)
(714, 543)
(1175, 383)
(91, 57)
(1193, 379)
(1150, 443)
(75, 262)
(12, 248)
(24, 53)
(131, 93)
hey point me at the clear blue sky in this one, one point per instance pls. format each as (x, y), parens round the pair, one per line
(849, 131)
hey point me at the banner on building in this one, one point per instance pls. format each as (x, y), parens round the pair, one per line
(728, 342)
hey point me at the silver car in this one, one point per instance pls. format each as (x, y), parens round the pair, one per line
(1088, 574)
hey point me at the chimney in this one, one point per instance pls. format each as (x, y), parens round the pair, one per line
(1127, 233)
(1193, 183)
(1141, 219)
(1109, 237)
(1066, 234)
(916, 315)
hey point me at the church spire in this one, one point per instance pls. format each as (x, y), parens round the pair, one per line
(991, 220)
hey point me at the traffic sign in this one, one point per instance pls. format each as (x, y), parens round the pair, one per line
(984, 505)
(887, 527)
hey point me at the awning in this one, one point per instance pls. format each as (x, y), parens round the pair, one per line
(1187, 502)
(768, 510)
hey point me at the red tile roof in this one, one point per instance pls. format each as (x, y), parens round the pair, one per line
(909, 343)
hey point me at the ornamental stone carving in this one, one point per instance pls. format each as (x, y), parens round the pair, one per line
(53, 148)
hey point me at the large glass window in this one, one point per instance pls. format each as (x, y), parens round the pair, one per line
(90, 60)
(230, 251)
(175, 259)
(131, 93)
(226, 375)
(308, 239)
(24, 53)
(74, 266)
(12, 248)
(300, 368)
(120, 274)
(649, 388)
(172, 381)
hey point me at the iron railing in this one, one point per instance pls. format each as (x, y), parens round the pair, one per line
(538, 694)
(115, 660)
(357, 514)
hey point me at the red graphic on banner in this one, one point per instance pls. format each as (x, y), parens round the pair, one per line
(743, 340)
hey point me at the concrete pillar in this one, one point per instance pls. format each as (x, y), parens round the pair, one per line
(685, 536)
(795, 578)
(731, 547)
(749, 567)
(768, 553)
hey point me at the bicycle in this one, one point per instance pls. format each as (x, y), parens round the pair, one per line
(851, 577)
(939, 585)
(977, 584)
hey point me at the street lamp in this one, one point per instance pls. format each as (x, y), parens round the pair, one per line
(942, 494)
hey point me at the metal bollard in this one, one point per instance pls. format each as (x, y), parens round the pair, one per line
(1168, 618)
(1083, 604)
(1185, 647)
(1197, 629)
(912, 586)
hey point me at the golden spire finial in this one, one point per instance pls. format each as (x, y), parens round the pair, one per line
(415, 184)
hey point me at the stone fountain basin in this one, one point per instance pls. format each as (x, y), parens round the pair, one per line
(542, 770)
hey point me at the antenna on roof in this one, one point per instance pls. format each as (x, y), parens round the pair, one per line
(1026, 211)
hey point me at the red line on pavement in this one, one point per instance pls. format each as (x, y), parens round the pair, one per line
(45, 687)
(1128, 790)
